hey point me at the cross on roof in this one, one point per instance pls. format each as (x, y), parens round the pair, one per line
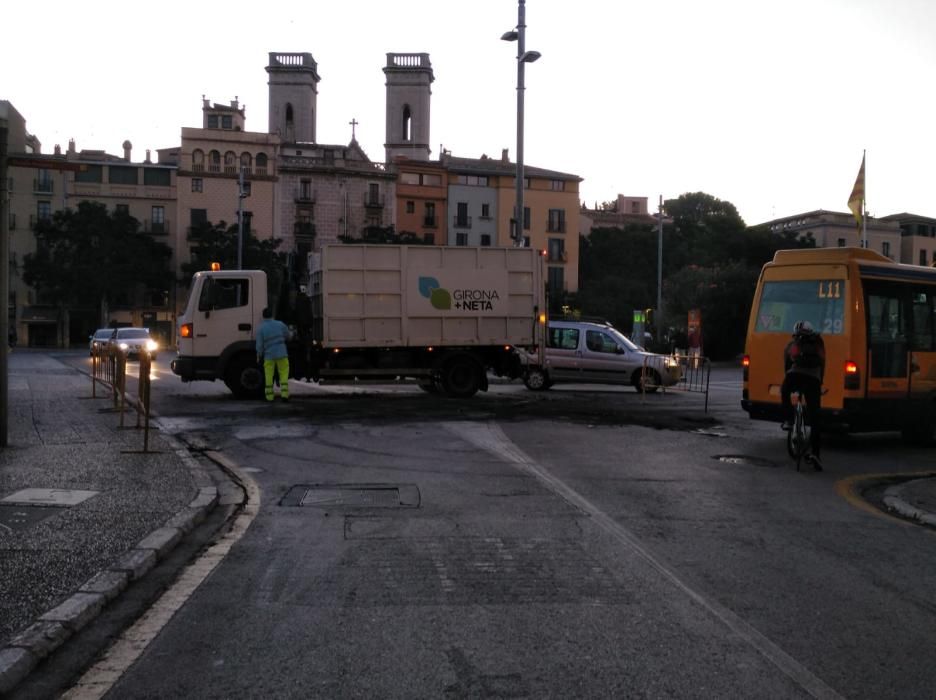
(354, 122)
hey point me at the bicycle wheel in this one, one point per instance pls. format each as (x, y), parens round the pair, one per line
(797, 438)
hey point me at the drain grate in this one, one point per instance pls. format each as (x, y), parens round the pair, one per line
(745, 459)
(14, 518)
(353, 496)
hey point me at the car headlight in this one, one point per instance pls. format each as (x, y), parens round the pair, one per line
(123, 346)
(152, 345)
(670, 362)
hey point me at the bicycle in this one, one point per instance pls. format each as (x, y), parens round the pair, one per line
(799, 435)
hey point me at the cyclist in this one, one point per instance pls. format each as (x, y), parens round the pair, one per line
(804, 364)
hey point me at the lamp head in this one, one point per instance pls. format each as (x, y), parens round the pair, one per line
(510, 36)
(530, 56)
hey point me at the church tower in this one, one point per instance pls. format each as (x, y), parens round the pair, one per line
(409, 77)
(293, 85)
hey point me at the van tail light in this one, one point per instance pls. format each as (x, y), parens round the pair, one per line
(745, 364)
(185, 330)
(852, 376)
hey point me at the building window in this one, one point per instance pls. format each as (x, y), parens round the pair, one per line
(198, 217)
(485, 211)
(214, 162)
(158, 220)
(226, 122)
(429, 238)
(43, 211)
(122, 175)
(157, 177)
(526, 217)
(121, 210)
(556, 280)
(841, 242)
(212, 121)
(89, 173)
(556, 222)
(373, 194)
(462, 220)
(198, 161)
(410, 207)
(557, 185)
(556, 250)
(526, 241)
(923, 257)
(885, 248)
(246, 163)
(198, 185)
(473, 180)
(430, 218)
(461, 239)
(407, 124)
(43, 181)
(485, 239)
(305, 190)
(261, 164)
(230, 163)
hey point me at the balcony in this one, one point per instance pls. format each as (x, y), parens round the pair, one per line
(461, 221)
(557, 256)
(305, 195)
(429, 222)
(157, 228)
(304, 229)
(43, 186)
(374, 201)
(555, 226)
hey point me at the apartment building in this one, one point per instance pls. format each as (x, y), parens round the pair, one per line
(832, 229)
(422, 199)
(42, 184)
(917, 238)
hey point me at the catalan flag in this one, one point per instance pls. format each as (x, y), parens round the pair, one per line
(857, 199)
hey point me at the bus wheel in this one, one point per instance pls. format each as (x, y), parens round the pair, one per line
(244, 378)
(462, 376)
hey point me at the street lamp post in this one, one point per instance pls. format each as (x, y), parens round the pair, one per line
(241, 193)
(523, 57)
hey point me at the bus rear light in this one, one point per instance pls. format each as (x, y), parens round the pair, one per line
(185, 330)
(852, 376)
(746, 361)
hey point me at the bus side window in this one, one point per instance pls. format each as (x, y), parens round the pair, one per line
(922, 338)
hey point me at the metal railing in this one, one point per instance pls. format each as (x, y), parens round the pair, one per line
(461, 221)
(109, 369)
(692, 374)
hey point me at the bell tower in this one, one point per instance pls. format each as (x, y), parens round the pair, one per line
(409, 77)
(293, 85)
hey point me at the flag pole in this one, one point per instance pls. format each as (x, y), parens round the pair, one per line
(864, 202)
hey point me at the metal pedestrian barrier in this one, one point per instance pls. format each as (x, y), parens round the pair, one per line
(109, 370)
(694, 372)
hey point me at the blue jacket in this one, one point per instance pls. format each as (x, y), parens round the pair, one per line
(271, 339)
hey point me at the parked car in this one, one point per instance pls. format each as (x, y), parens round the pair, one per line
(597, 353)
(133, 341)
(99, 339)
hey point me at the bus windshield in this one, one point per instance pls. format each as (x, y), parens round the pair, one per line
(821, 302)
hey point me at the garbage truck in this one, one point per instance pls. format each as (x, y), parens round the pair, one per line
(444, 316)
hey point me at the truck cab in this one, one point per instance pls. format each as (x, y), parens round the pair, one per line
(217, 329)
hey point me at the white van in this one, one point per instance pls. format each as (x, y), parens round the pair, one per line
(597, 353)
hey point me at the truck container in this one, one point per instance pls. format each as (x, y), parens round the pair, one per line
(444, 316)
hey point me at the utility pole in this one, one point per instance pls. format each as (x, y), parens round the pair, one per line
(240, 220)
(659, 305)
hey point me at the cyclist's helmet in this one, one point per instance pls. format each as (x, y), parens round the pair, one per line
(803, 328)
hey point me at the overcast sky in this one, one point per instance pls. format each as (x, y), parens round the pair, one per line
(765, 104)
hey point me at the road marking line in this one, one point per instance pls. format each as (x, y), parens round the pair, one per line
(847, 488)
(491, 438)
(130, 645)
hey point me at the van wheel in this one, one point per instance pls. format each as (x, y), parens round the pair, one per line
(536, 379)
(653, 381)
(462, 376)
(244, 378)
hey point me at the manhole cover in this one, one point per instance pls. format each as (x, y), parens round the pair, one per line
(353, 495)
(745, 459)
(16, 518)
(49, 497)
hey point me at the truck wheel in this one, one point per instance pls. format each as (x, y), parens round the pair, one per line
(462, 376)
(536, 379)
(244, 378)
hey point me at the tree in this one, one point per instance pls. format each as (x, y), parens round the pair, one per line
(384, 235)
(87, 257)
(212, 243)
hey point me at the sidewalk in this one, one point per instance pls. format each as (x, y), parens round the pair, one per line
(914, 499)
(82, 511)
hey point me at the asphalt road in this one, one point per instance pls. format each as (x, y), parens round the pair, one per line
(574, 543)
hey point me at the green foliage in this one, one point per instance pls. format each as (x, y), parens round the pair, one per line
(218, 243)
(711, 261)
(383, 235)
(86, 256)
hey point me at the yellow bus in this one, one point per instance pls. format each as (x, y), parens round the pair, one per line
(877, 320)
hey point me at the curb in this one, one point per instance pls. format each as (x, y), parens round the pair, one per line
(894, 499)
(34, 643)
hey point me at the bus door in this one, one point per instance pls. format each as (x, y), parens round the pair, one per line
(888, 309)
(923, 341)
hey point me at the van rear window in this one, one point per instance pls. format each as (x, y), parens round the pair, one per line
(821, 302)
